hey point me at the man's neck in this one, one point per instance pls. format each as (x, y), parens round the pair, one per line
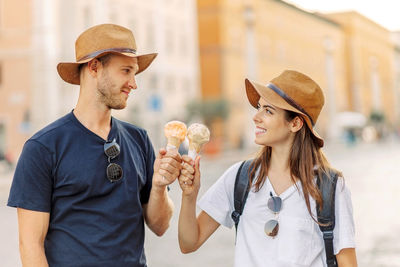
(94, 116)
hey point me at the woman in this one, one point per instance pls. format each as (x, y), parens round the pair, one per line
(287, 109)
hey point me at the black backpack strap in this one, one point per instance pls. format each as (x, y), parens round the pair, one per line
(327, 186)
(241, 191)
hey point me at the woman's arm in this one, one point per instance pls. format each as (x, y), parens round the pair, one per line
(192, 231)
(347, 257)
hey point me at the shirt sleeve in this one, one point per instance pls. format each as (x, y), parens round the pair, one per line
(150, 158)
(218, 200)
(344, 232)
(32, 183)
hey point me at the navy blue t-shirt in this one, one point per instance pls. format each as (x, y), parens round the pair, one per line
(93, 222)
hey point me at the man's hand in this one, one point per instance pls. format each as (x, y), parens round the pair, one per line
(167, 167)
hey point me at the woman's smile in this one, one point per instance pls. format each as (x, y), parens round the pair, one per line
(260, 131)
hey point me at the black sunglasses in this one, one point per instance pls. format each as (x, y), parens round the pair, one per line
(114, 171)
(271, 227)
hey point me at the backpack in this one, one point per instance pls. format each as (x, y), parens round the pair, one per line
(326, 216)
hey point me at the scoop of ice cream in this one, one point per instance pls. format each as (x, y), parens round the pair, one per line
(198, 134)
(175, 131)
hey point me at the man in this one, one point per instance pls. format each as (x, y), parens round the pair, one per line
(85, 184)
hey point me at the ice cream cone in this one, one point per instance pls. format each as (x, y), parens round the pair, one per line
(198, 134)
(173, 142)
(175, 131)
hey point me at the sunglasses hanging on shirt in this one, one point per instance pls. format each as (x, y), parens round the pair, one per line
(114, 171)
(271, 227)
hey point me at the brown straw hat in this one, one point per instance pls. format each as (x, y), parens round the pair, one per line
(293, 91)
(98, 41)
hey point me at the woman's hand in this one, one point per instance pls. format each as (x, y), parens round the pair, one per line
(189, 178)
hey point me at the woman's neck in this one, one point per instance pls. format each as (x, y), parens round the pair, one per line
(279, 160)
(279, 170)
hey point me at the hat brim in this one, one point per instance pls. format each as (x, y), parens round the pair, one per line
(69, 71)
(254, 91)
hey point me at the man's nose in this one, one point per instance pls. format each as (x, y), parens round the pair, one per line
(132, 83)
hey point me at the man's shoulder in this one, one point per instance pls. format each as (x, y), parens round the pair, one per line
(55, 128)
(131, 128)
(134, 134)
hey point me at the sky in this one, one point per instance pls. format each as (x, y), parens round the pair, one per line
(384, 12)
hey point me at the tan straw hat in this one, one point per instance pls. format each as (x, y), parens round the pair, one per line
(98, 41)
(293, 91)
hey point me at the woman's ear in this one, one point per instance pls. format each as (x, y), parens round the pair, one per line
(296, 124)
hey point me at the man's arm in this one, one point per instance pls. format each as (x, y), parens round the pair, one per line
(158, 211)
(32, 226)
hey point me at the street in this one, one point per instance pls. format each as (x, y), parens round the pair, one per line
(371, 171)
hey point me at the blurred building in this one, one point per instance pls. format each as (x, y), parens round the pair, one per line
(396, 40)
(370, 65)
(165, 27)
(259, 39)
(353, 59)
(15, 75)
(37, 34)
(348, 55)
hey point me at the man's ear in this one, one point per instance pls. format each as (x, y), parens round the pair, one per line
(296, 124)
(93, 66)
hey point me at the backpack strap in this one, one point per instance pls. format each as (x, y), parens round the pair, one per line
(241, 191)
(327, 187)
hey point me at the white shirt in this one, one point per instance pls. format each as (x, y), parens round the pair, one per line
(299, 241)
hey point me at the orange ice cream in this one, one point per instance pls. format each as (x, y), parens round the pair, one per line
(175, 131)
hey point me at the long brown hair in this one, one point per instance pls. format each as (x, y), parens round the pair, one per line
(306, 160)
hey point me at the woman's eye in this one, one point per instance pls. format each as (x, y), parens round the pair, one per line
(268, 111)
(258, 106)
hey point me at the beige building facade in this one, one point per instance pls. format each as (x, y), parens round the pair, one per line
(355, 61)
(351, 57)
(252, 40)
(37, 34)
(370, 64)
(165, 27)
(15, 75)
(396, 40)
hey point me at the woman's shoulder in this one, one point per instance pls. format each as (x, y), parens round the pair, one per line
(229, 176)
(233, 169)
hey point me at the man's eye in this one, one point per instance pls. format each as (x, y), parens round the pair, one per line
(258, 106)
(268, 111)
(127, 70)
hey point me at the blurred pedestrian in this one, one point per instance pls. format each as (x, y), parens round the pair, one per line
(85, 184)
(279, 226)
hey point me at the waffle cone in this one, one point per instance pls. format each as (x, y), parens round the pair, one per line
(195, 147)
(174, 141)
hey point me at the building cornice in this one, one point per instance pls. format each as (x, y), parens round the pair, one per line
(314, 15)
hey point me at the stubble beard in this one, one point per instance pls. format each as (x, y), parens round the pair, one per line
(106, 96)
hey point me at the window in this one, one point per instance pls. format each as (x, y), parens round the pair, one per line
(150, 36)
(1, 73)
(87, 17)
(2, 138)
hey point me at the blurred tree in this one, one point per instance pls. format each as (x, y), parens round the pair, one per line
(209, 110)
(213, 112)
